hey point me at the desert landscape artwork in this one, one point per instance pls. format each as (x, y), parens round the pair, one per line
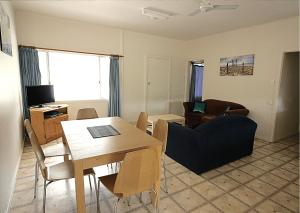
(237, 65)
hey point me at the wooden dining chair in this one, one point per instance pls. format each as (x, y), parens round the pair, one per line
(60, 171)
(160, 132)
(142, 121)
(138, 173)
(59, 150)
(87, 113)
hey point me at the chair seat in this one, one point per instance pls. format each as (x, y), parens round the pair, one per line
(64, 170)
(109, 182)
(56, 150)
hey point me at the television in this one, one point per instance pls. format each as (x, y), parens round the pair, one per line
(39, 95)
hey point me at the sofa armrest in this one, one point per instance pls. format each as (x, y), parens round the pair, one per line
(244, 112)
(188, 107)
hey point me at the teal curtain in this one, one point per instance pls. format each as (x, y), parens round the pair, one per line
(114, 88)
(30, 73)
(192, 84)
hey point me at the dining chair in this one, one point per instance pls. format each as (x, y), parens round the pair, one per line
(60, 171)
(160, 132)
(142, 121)
(138, 173)
(59, 150)
(87, 113)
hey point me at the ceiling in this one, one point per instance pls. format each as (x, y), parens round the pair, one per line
(126, 14)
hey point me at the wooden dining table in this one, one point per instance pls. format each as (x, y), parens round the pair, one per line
(88, 152)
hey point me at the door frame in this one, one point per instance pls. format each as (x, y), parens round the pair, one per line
(146, 68)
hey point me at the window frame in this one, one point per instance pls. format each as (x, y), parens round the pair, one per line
(99, 72)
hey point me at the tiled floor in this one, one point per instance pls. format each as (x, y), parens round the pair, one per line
(266, 181)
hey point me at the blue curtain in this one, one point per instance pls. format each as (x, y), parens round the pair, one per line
(30, 73)
(192, 84)
(198, 82)
(114, 88)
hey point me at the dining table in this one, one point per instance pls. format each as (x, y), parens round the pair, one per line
(89, 152)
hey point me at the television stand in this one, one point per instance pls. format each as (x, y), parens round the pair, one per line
(46, 121)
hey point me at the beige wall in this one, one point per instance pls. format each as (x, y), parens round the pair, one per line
(45, 31)
(287, 116)
(258, 92)
(11, 141)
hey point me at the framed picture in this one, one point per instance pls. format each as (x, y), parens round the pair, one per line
(5, 35)
(237, 65)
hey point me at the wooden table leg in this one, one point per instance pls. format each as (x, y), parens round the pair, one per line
(79, 185)
(156, 197)
(66, 157)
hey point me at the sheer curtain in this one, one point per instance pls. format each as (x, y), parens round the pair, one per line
(114, 88)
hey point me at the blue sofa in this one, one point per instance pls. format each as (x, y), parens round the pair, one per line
(213, 144)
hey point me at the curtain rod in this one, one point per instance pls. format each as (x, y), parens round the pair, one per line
(72, 51)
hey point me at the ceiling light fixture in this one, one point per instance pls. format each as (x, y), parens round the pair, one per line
(155, 13)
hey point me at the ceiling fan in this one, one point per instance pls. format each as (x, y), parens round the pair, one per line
(206, 6)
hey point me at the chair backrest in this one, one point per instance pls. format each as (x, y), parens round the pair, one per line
(86, 113)
(142, 121)
(37, 149)
(138, 172)
(160, 132)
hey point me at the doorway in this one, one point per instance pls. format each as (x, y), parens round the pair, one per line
(157, 88)
(287, 113)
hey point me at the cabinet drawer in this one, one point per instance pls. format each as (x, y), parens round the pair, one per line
(50, 128)
(58, 124)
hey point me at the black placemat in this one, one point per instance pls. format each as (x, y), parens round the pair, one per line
(102, 131)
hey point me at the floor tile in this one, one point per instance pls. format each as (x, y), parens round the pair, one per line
(208, 190)
(239, 176)
(291, 168)
(261, 187)
(229, 204)
(286, 200)
(270, 206)
(273, 180)
(190, 178)
(273, 161)
(175, 185)
(207, 208)
(284, 174)
(167, 206)
(263, 165)
(210, 174)
(292, 189)
(224, 182)
(252, 170)
(247, 195)
(225, 168)
(188, 199)
(176, 168)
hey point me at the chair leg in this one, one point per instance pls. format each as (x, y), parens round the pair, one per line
(116, 206)
(44, 197)
(166, 186)
(97, 193)
(90, 182)
(35, 179)
(128, 201)
(141, 197)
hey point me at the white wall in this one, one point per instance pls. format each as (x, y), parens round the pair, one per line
(287, 116)
(258, 92)
(45, 31)
(11, 125)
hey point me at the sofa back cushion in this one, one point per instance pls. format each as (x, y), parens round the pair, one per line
(218, 107)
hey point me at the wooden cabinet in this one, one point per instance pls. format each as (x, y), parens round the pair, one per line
(46, 121)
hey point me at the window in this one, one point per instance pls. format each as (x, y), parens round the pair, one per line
(75, 76)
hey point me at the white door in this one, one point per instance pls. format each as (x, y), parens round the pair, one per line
(157, 95)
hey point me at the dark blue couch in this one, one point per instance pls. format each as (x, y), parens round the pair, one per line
(213, 144)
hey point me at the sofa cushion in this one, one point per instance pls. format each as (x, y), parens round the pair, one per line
(199, 107)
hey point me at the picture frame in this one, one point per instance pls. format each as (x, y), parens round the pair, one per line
(237, 65)
(5, 32)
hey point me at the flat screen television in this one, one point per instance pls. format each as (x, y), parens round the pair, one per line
(39, 95)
